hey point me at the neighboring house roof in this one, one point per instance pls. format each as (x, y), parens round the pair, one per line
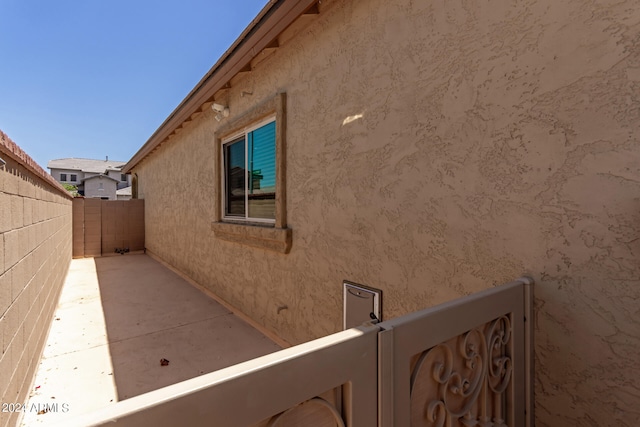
(126, 191)
(100, 176)
(261, 34)
(86, 165)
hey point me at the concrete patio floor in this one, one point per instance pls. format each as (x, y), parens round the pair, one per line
(116, 319)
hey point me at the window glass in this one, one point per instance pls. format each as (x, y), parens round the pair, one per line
(73, 178)
(63, 177)
(234, 156)
(250, 174)
(262, 172)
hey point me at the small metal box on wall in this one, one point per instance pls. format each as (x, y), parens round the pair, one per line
(361, 304)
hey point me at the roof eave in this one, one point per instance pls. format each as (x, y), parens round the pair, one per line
(276, 16)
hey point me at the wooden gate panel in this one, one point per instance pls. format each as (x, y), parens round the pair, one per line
(134, 226)
(92, 227)
(78, 227)
(101, 227)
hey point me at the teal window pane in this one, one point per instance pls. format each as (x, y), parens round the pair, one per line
(261, 148)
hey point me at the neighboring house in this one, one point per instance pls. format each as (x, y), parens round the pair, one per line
(100, 186)
(429, 149)
(76, 172)
(123, 193)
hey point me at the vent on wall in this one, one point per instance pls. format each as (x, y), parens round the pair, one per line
(361, 304)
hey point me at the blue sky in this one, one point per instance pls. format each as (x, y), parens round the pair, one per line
(91, 78)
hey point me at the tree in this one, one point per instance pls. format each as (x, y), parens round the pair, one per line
(73, 189)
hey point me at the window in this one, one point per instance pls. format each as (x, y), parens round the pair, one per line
(250, 174)
(123, 177)
(74, 178)
(63, 177)
(250, 151)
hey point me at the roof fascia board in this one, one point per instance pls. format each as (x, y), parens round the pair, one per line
(272, 20)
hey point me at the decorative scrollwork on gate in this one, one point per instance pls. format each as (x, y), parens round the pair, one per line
(464, 381)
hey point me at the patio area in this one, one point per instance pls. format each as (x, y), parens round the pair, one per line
(116, 319)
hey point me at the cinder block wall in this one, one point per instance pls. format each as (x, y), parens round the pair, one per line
(35, 251)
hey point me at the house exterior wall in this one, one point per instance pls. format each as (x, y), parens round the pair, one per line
(35, 251)
(79, 175)
(118, 175)
(92, 188)
(435, 149)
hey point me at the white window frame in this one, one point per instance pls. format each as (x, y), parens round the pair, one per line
(223, 195)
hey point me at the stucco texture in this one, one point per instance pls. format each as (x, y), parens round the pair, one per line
(435, 149)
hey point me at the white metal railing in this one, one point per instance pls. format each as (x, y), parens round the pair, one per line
(463, 363)
(267, 391)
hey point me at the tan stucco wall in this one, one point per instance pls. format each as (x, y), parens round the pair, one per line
(35, 251)
(485, 140)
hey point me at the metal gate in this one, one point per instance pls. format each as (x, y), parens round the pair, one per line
(464, 363)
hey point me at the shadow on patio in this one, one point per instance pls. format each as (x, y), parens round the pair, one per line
(116, 319)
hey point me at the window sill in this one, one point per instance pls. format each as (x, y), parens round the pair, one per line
(270, 238)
